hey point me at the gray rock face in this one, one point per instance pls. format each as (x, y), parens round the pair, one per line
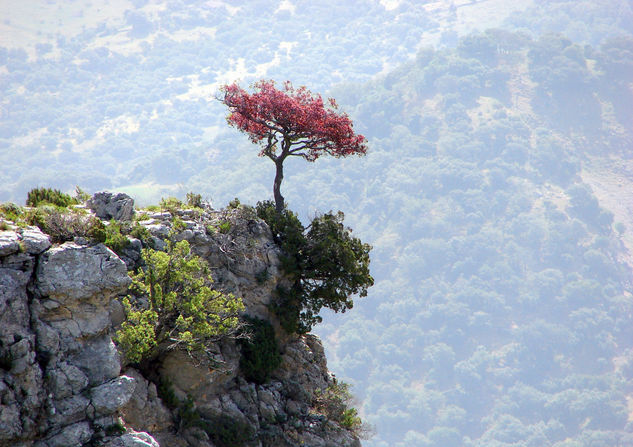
(144, 410)
(108, 205)
(133, 439)
(75, 272)
(33, 240)
(9, 243)
(71, 435)
(59, 369)
(110, 396)
(60, 373)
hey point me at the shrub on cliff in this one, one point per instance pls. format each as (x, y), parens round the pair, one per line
(335, 403)
(260, 352)
(173, 305)
(39, 196)
(65, 224)
(326, 264)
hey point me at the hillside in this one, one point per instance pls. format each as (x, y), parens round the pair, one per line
(500, 170)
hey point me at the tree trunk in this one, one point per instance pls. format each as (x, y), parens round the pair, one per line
(279, 176)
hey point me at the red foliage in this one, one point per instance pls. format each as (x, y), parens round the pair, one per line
(291, 122)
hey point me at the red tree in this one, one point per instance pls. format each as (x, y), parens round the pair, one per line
(290, 122)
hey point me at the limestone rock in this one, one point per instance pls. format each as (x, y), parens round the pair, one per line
(70, 410)
(60, 382)
(33, 240)
(9, 243)
(72, 435)
(75, 272)
(98, 359)
(145, 411)
(108, 205)
(66, 380)
(110, 396)
(133, 439)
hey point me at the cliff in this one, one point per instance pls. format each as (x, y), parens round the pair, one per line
(63, 382)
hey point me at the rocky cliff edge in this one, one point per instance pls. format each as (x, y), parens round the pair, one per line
(62, 381)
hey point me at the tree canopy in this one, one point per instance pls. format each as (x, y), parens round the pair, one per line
(290, 122)
(326, 264)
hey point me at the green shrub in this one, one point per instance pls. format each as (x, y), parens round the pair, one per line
(234, 204)
(115, 240)
(11, 211)
(80, 195)
(166, 392)
(189, 416)
(115, 429)
(184, 311)
(224, 227)
(194, 200)
(327, 265)
(171, 204)
(43, 196)
(226, 431)
(141, 233)
(260, 351)
(350, 419)
(334, 402)
(262, 276)
(64, 225)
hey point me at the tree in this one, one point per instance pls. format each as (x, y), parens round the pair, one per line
(324, 262)
(175, 306)
(290, 122)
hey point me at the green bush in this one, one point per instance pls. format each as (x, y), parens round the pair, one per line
(80, 195)
(327, 265)
(171, 204)
(115, 429)
(166, 392)
(224, 227)
(184, 311)
(64, 225)
(141, 233)
(234, 204)
(262, 276)
(226, 431)
(260, 351)
(11, 211)
(42, 196)
(334, 402)
(194, 200)
(115, 240)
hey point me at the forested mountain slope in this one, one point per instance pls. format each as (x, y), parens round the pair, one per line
(495, 193)
(509, 318)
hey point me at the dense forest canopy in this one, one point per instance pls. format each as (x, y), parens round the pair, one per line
(496, 191)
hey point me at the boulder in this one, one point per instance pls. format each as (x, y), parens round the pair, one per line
(9, 243)
(133, 439)
(33, 240)
(76, 272)
(108, 205)
(110, 396)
